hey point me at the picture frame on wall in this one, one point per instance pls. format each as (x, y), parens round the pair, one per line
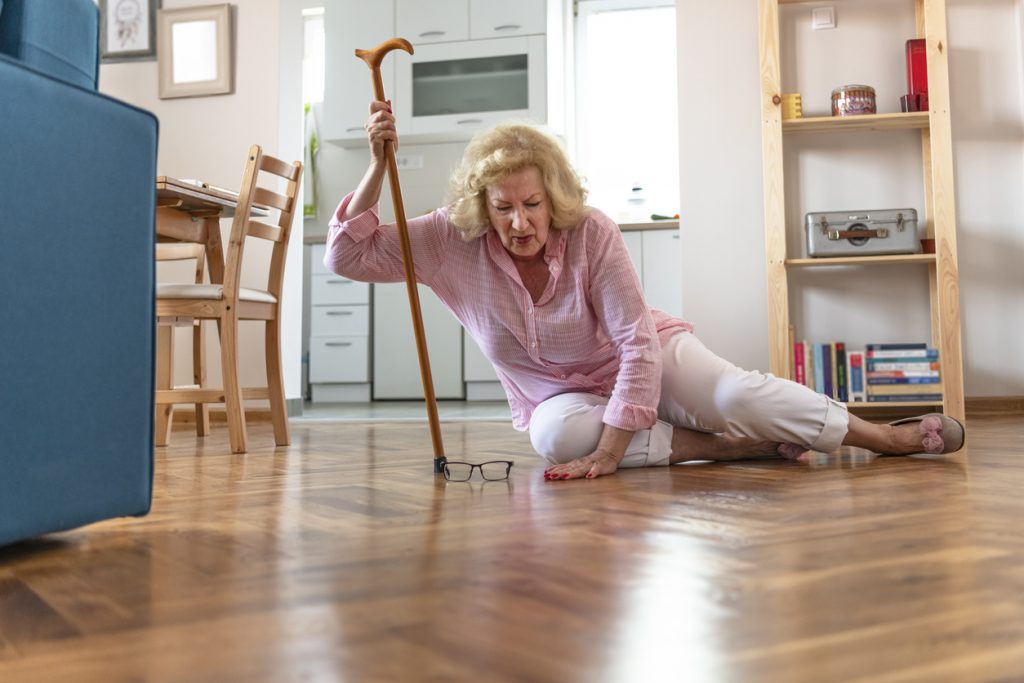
(128, 30)
(195, 52)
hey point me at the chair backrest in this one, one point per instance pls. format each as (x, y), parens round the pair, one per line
(245, 225)
(184, 251)
(58, 37)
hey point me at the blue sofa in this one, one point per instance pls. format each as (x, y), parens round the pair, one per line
(77, 176)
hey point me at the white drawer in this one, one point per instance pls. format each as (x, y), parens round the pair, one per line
(325, 321)
(316, 260)
(339, 359)
(334, 289)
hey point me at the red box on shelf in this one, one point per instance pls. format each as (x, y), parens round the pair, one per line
(917, 67)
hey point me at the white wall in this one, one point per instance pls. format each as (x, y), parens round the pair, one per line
(721, 178)
(208, 137)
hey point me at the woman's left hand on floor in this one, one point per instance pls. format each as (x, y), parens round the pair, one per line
(589, 466)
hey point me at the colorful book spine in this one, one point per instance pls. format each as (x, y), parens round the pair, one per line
(891, 398)
(923, 354)
(799, 373)
(899, 374)
(842, 380)
(826, 369)
(906, 366)
(855, 361)
(881, 381)
(819, 370)
(895, 347)
(811, 378)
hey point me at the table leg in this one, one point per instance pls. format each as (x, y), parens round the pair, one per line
(164, 378)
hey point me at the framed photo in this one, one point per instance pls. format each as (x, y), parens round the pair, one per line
(195, 51)
(128, 30)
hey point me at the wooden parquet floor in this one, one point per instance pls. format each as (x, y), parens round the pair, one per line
(342, 558)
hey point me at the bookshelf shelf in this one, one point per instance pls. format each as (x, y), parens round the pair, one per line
(938, 218)
(860, 260)
(828, 124)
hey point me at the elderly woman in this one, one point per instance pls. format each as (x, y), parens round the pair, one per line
(545, 286)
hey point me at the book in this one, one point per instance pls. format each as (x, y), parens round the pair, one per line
(835, 370)
(809, 365)
(930, 354)
(826, 369)
(799, 375)
(855, 373)
(842, 381)
(897, 374)
(819, 372)
(891, 398)
(903, 366)
(877, 381)
(895, 347)
(893, 389)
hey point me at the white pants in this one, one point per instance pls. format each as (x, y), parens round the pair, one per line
(702, 392)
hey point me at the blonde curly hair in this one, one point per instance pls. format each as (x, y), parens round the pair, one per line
(494, 155)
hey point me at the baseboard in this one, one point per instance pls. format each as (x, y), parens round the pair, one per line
(994, 405)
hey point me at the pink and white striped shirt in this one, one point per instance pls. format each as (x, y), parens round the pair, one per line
(589, 332)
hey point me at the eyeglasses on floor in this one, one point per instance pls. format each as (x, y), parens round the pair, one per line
(493, 470)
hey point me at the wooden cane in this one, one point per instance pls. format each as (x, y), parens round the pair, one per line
(373, 59)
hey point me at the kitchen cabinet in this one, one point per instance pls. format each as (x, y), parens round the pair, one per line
(661, 276)
(339, 334)
(437, 21)
(396, 370)
(500, 19)
(348, 25)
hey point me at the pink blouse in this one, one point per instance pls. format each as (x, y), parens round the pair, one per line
(590, 331)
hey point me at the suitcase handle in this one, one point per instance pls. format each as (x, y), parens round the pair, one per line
(854, 234)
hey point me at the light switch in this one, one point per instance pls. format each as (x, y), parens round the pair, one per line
(823, 17)
(409, 161)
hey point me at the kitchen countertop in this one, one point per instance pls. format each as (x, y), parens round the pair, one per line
(624, 227)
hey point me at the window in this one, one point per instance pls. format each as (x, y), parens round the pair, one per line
(626, 107)
(313, 55)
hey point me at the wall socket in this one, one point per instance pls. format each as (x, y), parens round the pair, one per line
(407, 162)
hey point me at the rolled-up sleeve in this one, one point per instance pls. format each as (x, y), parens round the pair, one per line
(363, 249)
(618, 301)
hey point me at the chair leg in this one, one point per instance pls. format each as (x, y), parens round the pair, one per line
(199, 378)
(275, 383)
(232, 386)
(163, 413)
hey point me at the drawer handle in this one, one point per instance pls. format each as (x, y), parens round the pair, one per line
(339, 282)
(427, 34)
(340, 313)
(508, 27)
(338, 344)
(353, 129)
(463, 121)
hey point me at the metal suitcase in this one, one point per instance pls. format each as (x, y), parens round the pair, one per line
(862, 233)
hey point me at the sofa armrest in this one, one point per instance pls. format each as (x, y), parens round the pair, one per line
(77, 197)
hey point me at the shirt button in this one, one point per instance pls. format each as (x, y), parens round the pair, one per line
(531, 311)
(534, 344)
(563, 376)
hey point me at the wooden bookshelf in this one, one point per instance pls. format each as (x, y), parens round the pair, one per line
(860, 260)
(892, 404)
(939, 216)
(831, 124)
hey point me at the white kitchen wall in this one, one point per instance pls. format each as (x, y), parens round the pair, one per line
(208, 137)
(721, 178)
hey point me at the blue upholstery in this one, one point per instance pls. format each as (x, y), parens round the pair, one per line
(77, 199)
(59, 37)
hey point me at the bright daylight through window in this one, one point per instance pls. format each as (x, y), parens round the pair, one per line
(626, 108)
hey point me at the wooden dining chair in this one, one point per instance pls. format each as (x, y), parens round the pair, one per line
(227, 303)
